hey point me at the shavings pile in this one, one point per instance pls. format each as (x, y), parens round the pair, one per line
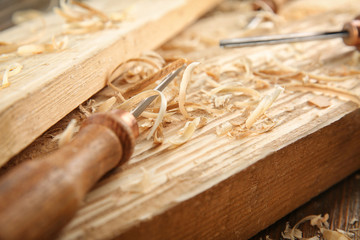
(322, 224)
(246, 87)
(210, 90)
(81, 18)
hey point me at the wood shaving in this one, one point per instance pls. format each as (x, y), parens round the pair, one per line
(224, 128)
(60, 45)
(291, 233)
(246, 90)
(159, 135)
(107, 105)
(188, 132)
(81, 18)
(220, 101)
(320, 102)
(183, 86)
(31, 49)
(141, 85)
(321, 223)
(144, 185)
(135, 100)
(67, 135)
(11, 70)
(264, 104)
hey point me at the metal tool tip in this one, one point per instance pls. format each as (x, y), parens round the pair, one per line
(144, 104)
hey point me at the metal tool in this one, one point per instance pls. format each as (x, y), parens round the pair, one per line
(39, 197)
(350, 35)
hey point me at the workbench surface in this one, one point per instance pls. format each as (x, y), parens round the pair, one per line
(218, 187)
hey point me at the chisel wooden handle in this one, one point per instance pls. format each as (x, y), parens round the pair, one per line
(40, 196)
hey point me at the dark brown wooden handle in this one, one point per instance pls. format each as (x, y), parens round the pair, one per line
(40, 196)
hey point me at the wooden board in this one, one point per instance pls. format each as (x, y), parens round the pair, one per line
(341, 202)
(221, 188)
(52, 85)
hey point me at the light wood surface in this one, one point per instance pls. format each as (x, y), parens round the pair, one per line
(220, 188)
(51, 85)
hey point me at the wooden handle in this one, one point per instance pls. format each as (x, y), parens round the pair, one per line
(40, 196)
(353, 27)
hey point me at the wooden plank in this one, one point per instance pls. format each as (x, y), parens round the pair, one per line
(341, 202)
(217, 187)
(51, 85)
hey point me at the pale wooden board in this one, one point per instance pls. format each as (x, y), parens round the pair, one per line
(52, 85)
(216, 187)
(221, 188)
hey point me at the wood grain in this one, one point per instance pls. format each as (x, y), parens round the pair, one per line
(220, 188)
(340, 201)
(52, 85)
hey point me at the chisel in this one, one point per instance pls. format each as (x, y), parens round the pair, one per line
(38, 197)
(350, 35)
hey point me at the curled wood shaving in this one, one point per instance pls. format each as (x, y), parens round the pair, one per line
(82, 18)
(220, 101)
(11, 70)
(144, 185)
(313, 87)
(139, 86)
(188, 131)
(319, 221)
(224, 128)
(135, 100)
(291, 233)
(155, 55)
(315, 220)
(159, 135)
(91, 10)
(246, 90)
(264, 104)
(61, 44)
(67, 135)
(183, 86)
(31, 49)
(107, 105)
(140, 69)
